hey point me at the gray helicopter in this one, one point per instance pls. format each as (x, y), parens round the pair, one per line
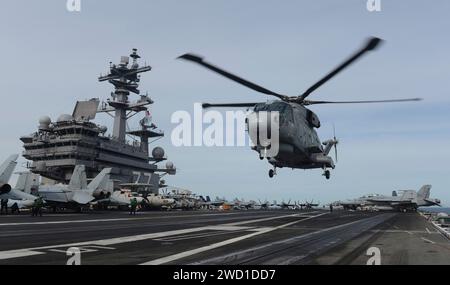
(299, 143)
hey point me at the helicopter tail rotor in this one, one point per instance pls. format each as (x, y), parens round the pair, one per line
(336, 141)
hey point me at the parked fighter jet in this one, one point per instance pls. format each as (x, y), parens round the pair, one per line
(6, 171)
(354, 204)
(218, 203)
(120, 199)
(159, 202)
(77, 192)
(264, 205)
(403, 200)
(183, 199)
(19, 195)
(288, 205)
(242, 204)
(206, 203)
(408, 200)
(274, 206)
(308, 205)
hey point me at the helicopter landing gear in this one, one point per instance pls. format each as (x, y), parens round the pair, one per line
(272, 172)
(327, 174)
(263, 154)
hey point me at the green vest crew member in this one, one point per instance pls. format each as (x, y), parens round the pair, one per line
(133, 206)
(37, 207)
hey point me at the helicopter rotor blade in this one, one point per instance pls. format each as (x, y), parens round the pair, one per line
(209, 105)
(251, 85)
(335, 153)
(371, 44)
(308, 102)
(334, 132)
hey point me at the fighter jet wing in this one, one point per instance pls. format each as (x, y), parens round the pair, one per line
(384, 200)
(18, 195)
(433, 202)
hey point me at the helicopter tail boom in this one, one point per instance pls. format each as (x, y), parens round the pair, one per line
(329, 145)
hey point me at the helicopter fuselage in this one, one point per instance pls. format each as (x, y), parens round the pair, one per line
(299, 145)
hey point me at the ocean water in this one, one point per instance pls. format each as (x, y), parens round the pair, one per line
(436, 210)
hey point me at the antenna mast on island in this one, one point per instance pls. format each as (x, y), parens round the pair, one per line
(126, 80)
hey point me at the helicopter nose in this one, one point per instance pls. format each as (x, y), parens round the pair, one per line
(259, 126)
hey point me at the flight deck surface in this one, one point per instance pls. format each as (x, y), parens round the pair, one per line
(234, 237)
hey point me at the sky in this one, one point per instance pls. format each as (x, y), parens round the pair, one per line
(52, 58)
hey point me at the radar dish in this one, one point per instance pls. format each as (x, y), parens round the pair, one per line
(85, 110)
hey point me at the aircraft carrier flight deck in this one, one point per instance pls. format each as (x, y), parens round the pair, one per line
(227, 237)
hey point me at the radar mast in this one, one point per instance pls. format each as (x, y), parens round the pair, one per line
(125, 79)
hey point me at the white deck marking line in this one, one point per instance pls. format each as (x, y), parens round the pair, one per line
(268, 219)
(427, 240)
(401, 231)
(91, 248)
(180, 255)
(69, 222)
(228, 227)
(195, 236)
(428, 230)
(109, 220)
(259, 247)
(291, 260)
(17, 254)
(220, 229)
(8, 254)
(62, 250)
(409, 232)
(102, 247)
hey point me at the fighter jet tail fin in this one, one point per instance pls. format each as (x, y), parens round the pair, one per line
(100, 181)
(78, 180)
(22, 181)
(424, 192)
(7, 168)
(27, 182)
(154, 182)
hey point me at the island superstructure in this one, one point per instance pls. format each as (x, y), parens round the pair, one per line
(57, 146)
